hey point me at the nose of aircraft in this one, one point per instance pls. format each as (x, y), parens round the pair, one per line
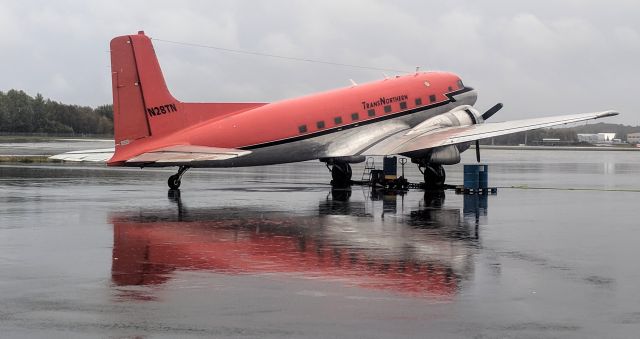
(469, 96)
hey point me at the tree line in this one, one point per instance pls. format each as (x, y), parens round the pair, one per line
(567, 135)
(22, 113)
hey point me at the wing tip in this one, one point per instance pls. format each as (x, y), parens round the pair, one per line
(609, 113)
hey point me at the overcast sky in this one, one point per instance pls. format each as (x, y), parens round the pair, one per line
(538, 57)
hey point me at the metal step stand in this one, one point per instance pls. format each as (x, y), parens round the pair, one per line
(369, 165)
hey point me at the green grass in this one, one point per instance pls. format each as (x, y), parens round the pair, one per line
(42, 138)
(27, 159)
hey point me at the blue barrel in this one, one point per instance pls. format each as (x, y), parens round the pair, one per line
(471, 176)
(483, 176)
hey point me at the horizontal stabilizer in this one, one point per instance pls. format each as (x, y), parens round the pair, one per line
(184, 154)
(92, 155)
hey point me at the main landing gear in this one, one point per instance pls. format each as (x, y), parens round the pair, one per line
(174, 180)
(434, 175)
(340, 173)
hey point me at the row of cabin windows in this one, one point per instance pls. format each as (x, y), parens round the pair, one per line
(432, 99)
(370, 113)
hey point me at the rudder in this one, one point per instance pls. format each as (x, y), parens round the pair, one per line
(139, 90)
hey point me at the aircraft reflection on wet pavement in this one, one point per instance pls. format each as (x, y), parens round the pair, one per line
(426, 250)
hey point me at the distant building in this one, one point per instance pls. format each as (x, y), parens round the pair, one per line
(633, 138)
(597, 138)
(551, 141)
(606, 137)
(590, 138)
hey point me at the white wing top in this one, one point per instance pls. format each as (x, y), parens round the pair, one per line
(414, 139)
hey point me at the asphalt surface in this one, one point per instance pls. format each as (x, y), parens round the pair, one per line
(272, 252)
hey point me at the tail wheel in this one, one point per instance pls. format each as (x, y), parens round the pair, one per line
(174, 182)
(434, 175)
(341, 173)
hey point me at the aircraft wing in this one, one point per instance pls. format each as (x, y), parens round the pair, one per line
(180, 154)
(414, 140)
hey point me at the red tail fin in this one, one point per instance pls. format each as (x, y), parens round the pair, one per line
(142, 105)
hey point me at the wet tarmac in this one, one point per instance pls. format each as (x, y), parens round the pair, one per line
(88, 251)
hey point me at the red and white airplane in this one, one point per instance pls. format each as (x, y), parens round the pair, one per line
(426, 116)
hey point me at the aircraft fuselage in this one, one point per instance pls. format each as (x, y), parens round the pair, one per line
(311, 127)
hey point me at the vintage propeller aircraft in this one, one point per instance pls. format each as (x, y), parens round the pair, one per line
(426, 116)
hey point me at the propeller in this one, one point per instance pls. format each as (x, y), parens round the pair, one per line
(491, 111)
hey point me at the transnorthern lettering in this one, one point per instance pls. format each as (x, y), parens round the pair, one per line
(383, 101)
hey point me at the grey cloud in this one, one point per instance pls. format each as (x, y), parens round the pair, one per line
(544, 57)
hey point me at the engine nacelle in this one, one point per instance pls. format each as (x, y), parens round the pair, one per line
(445, 155)
(464, 115)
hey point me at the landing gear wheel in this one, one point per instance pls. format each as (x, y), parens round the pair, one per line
(341, 174)
(434, 176)
(174, 182)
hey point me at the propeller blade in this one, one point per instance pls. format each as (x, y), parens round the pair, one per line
(478, 150)
(492, 111)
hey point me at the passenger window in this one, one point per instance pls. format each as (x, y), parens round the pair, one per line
(302, 128)
(418, 101)
(432, 98)
(371, 112)
(337, 120)
(387, 109)
(354, 116)
(320, 124)
(403, 105)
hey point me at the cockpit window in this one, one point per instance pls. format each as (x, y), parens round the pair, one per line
(460, 84)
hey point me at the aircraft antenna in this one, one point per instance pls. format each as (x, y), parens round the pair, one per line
(284, 57)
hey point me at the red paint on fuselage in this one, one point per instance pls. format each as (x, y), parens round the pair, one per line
(139, 90)
(282, 120)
